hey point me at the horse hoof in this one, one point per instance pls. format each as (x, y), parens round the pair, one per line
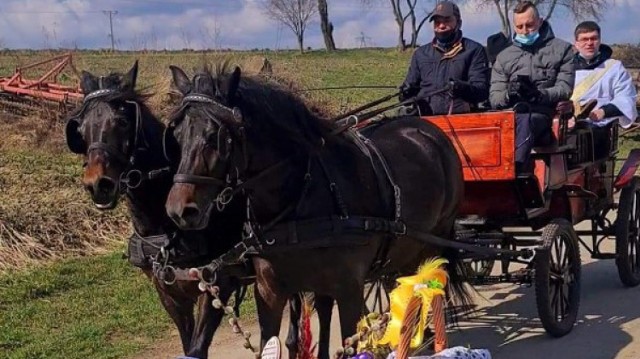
(186, 358)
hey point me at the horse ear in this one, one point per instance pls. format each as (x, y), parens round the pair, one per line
(180, 79)
(233, 85)
(88, 82)
(129, 81)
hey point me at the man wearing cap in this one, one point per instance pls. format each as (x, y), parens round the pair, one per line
(533, 74)
(448, 59)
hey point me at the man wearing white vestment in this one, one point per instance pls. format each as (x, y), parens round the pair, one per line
(602, 78)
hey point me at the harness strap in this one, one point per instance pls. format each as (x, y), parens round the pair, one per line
(322, 232)
(337, 195)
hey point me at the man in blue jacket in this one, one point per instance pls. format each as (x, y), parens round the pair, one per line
(449, 58)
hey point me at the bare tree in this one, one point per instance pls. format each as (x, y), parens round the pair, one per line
(417, 20)
(211, 36)
(579, 9)
(326, 26)
(403, 11)
(295, 14)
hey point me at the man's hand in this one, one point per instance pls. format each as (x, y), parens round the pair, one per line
(406, 92)
(523, 90)
(513, 92)
(596, 115)
(457, 88)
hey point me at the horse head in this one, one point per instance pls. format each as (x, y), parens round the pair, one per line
(199, 138)
(107, 130)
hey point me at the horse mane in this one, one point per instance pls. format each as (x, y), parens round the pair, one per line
(269, 108)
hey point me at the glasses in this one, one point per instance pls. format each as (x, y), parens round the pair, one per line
(585, 40)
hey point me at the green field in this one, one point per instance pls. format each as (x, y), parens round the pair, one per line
(65, 291)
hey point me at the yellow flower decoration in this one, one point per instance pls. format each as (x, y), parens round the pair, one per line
(428, 282)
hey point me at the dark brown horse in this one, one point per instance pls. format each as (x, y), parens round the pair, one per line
(327, 209)
(122, 144)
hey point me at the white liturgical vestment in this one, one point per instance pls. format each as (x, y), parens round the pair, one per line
(615, 87)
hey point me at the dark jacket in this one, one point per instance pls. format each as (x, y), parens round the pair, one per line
(429, 72)
(604, 54)
(496, 43)
(548, 62)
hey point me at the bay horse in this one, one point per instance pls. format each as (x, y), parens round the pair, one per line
(322, 304)
(327, 209)
(121, 141)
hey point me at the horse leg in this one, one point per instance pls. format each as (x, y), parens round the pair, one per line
(270, 301)
(293, 337)
(207, 322)
(324, 307)
(350, 304)
(180, 309)
(269, 315)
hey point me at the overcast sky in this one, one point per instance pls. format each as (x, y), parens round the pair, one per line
(240, 24)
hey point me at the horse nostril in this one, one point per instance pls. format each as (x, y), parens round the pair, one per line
(105, 185)
(191, 211)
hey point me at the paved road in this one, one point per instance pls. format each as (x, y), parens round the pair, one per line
(505, 321)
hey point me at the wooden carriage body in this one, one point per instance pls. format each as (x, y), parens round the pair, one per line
(567, 181)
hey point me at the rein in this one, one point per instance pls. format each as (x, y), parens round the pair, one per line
(353, 87)
(350, 119)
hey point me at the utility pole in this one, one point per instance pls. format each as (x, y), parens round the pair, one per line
(363, 39)
(111, 14)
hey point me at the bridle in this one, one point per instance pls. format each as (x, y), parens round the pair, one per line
(131, 177)
(230, 186)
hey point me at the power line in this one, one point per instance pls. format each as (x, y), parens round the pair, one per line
(50, 12)
(111, 14)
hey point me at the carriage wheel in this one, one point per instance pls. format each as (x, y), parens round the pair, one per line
(628, 234)
(557, 278)
(376, 295)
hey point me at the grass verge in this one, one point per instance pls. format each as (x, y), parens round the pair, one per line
(94, 307)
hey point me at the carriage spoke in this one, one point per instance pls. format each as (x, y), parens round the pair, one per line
(553, 289)
(380, 292)
(558, 248)
(565, 259)
(561, 303)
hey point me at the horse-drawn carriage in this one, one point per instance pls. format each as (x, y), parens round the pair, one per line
(529, 218)
(293, 178)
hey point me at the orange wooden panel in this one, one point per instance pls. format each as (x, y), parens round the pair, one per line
(491, 199)
(485, 143)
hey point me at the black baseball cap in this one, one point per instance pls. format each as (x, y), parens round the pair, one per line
(445, 9)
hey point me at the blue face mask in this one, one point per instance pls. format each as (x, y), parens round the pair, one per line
(527, 39)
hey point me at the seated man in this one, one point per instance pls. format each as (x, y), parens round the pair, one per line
(449, 57)
(601, 78)
(532, 75)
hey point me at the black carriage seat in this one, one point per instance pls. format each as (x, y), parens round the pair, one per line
(555, 140)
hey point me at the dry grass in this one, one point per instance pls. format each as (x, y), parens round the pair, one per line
(44, 213)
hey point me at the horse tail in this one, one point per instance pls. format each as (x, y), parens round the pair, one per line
(459, 292)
